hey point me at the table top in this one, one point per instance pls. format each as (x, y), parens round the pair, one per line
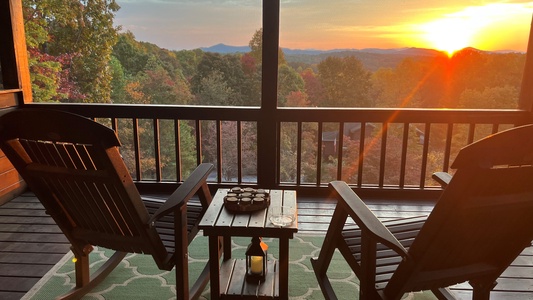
(220, 221)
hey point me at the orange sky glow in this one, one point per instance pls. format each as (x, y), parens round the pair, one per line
(334, 24)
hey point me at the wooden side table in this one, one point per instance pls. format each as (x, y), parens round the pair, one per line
(228, 277)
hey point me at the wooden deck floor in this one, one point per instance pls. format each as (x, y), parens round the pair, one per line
(31, 244)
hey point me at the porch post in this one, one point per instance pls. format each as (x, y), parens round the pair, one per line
(525, 101)
(267, 131)
(13, 55)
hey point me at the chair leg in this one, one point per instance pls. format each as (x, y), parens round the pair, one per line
(367, 280)
(200, 284)
(181, 254)
(82, 266)
(321, 264)
(323, 281)
(482, 289)
(444, 294)
(202, 281)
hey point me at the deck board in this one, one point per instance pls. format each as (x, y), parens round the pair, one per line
(31, 244)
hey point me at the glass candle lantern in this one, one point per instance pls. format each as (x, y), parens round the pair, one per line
(256, 261)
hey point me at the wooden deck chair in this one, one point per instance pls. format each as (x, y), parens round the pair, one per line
(481, 223)
(74, 167)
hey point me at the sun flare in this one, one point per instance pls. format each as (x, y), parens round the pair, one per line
(448, 35)
(470, 26)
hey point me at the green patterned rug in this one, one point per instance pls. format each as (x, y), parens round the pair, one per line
(137, 276)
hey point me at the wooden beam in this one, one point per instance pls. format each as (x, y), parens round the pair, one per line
(13, 53)
(526, 93)
(7, 53)
(21, 51)
(267, 130)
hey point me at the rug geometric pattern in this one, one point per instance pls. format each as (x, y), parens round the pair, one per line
(137, 276)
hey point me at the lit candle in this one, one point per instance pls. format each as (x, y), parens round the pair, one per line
(256, 264)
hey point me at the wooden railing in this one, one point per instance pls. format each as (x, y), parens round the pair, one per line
(385, 152)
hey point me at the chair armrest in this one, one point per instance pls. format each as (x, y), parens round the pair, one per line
(184, 192)
(442, 178)
(365, 218)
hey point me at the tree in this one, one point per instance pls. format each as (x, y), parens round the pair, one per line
(132, 56)
(288, 81)
(189, 60)
(229, 68)
(161, 87)
(412, 83)
(345, 81)
(499, 97)
(297, 99)
(81, 30)
(256, 48)
(215, 91)
(313, 87)
(45, 73)
(118, 82)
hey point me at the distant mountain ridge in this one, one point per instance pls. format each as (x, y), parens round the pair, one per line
(372, 58)
(226, 49)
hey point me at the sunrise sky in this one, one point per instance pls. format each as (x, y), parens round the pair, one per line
(333, 24)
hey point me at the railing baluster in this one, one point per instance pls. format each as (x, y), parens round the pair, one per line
(403, 162)
(299, 154)
(495, 128)
(157, 150)
(448, 147)
(177, 148)
(278, 157)
(239, 152)
(198, 126)
(471, 133)
(219, 151)
(360, 158)
(137, 150)
(425, 152)
(340, 150)
(114, 124)
(319, 155)
(384, 129)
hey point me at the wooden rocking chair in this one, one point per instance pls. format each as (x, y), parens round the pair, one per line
(481, 223)
(74, 167)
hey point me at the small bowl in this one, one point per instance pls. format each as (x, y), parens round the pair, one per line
(282, 215)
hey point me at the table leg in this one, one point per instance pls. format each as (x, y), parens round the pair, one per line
(214, 266)
(227, 247)
(284, 268)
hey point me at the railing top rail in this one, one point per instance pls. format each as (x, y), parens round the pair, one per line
(151, 111)
(406, 115)
(382, 115)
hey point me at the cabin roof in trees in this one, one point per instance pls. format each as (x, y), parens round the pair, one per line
(350, 129)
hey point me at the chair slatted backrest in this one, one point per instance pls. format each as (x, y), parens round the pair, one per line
(74, 167)
(484, 218)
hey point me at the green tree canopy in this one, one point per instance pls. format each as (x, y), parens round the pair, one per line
(256, 48)
(345, 81)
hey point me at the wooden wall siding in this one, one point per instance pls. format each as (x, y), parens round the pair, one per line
(11, 184)
(13, 53)
(16, 83)
(8, 99)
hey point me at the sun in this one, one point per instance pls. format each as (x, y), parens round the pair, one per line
(449, 35)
